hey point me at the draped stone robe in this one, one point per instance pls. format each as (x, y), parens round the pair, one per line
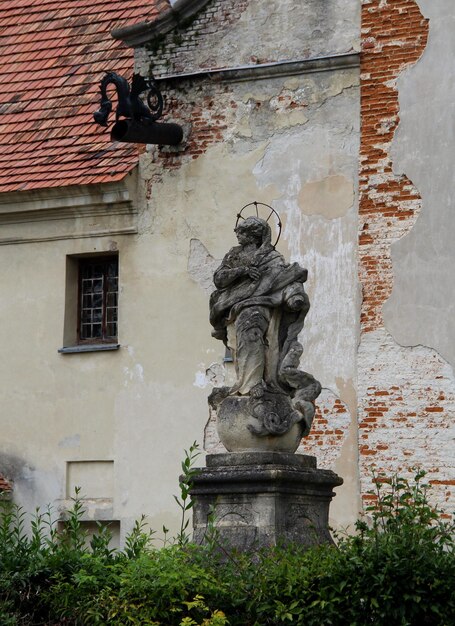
(259, 320)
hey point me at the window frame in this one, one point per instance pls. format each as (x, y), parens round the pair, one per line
(103, 259)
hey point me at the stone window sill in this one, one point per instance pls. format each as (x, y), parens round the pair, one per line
(89, 347)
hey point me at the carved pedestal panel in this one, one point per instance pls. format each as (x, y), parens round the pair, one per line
(263, 499)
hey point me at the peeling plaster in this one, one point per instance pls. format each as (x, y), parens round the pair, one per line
(278, 106)
(345, 508)
(421, 309)
(287, 119)
(329, 430)
(200, 380)
(334, 441)
(201, 265)
(347, 394)
(212, 376)
(416, 388)
(328, 248)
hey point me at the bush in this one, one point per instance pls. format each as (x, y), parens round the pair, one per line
(398, 570)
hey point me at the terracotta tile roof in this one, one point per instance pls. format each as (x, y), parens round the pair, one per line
(4, 484)
(53, 53)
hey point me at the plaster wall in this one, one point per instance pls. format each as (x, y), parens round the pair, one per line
(289, 141)
(421, 309)
(406, 355)
(127, 414)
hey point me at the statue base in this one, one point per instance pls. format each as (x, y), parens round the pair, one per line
(263, 499)
(241, 426)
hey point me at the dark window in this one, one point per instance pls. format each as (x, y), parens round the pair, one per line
(98, 299)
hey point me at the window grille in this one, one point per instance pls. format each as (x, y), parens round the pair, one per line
(98, 299)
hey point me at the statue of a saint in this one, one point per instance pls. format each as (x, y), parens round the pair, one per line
(257, 310)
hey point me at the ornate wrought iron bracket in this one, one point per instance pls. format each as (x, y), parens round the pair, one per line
(137, 110)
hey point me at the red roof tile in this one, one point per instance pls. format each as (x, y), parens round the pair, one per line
(53, 54)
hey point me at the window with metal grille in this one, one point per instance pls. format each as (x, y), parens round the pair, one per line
(98, 299)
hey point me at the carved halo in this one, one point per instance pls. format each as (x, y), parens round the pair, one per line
(268, 209)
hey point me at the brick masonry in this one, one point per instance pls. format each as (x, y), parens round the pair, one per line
(203, 109)
(174, 53)
(394, 36)
(406, 395)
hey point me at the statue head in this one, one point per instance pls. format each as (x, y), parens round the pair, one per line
(253, 230)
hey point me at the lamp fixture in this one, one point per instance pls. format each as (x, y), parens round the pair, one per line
(135, 116)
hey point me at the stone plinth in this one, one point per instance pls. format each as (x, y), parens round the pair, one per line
(263, 499)
(236, 428)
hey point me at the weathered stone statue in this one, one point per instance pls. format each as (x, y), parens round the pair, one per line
(257, 310)
(260, 493)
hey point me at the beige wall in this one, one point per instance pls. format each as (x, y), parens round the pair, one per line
(136, 406)
(290, 141)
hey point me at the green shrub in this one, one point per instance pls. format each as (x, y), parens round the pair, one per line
(398, 570)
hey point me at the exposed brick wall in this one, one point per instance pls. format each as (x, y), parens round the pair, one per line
(406, 395)
(206, 111)
(328, 431)
(394, 36)
(172, 54)
(406, 400)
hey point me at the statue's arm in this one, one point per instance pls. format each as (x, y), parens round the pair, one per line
(224, 276)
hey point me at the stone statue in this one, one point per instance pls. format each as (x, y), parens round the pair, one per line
(257, 310)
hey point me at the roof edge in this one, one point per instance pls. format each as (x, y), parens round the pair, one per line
(65, 197)
(144, 32)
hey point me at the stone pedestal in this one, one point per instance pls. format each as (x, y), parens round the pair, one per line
(238, 427)
(263, 499)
